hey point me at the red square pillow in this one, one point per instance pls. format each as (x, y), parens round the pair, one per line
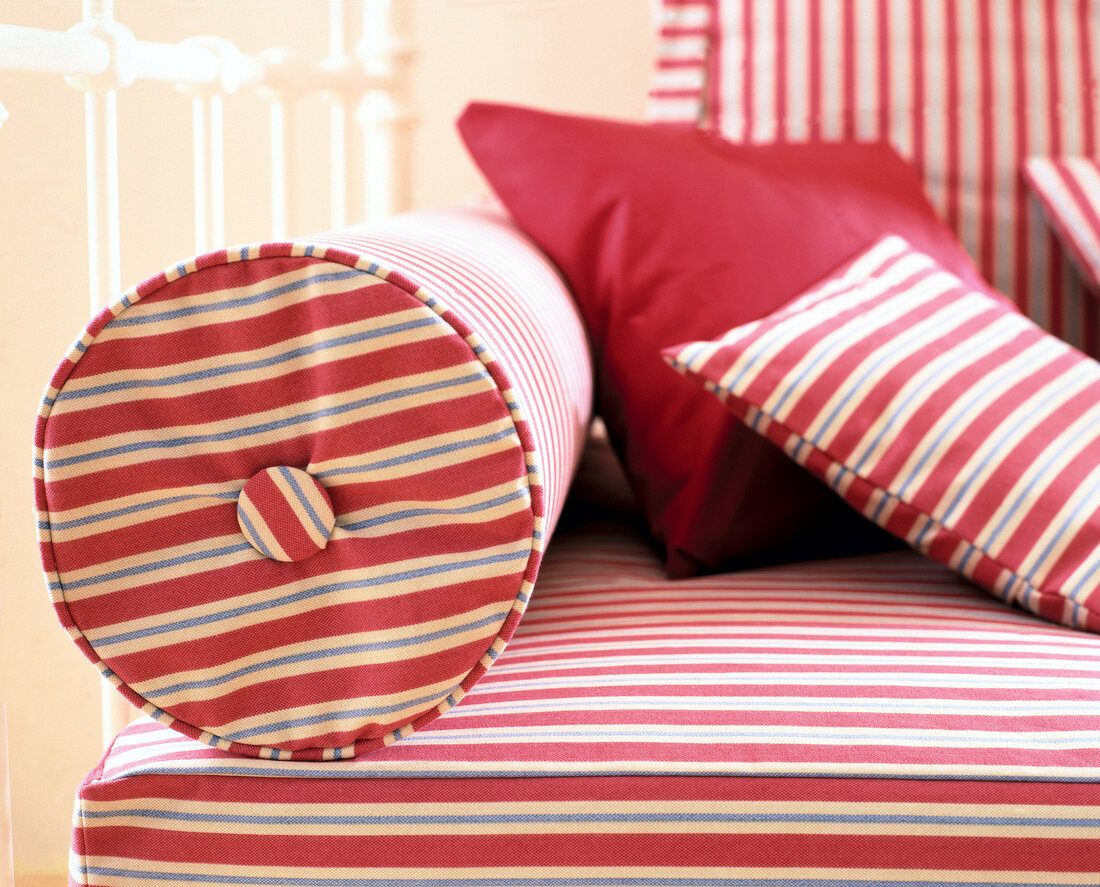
(668, 235)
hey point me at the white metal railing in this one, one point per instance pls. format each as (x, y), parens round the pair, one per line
(368, 85)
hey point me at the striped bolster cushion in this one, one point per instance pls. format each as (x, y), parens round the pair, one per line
(292, 501)
(1068, 189)
(938, 412)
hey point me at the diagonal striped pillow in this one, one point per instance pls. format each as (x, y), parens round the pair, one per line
(292, 502)
(1068, 189)
(938, 412)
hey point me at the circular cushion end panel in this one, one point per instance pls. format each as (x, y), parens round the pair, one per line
(285, 501)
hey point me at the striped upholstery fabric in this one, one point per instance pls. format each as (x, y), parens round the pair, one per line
(1068, 189)
(966, 90)
(851, 722)
(940, 413)
(191, 443)
(285, 513)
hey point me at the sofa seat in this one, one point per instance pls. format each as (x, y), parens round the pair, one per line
(854, 721)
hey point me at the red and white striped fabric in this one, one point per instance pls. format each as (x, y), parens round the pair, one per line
(863, 721)
(938, 412)
(292, 502)
(1068, 189)
(966, 90)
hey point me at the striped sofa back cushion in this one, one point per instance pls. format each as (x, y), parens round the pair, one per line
(292, 501)
(966, 90)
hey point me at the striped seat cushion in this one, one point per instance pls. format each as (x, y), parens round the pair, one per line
(965, 90)
(292, 500)
(938, 412)
(1068, 189)
(865, 721)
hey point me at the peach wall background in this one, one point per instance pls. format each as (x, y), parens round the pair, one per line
(587, 56)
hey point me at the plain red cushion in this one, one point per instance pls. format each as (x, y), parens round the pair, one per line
(667, 235)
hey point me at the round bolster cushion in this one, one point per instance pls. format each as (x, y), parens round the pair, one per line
(292, 497)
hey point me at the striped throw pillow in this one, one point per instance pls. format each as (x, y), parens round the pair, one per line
(292, 501)
(1068, 189)
(938, 412)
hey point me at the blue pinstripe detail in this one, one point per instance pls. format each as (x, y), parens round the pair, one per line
(685, 360)
(252, 534)
(885, 500)
(307, 594)
(132, 509)
(422, 512)
(582, 769)
(562, 735)
(901, 409)
(372, 268)
(286, 474)
(1074, 707)
(964, 414)
(900, 342)
(1006, 439)
(764, 342)
(264, 363)
(288, 422)
(434, 818)
(314, 655)
(155, 565)
(1016, 681)
(337, 754)
(1059, 535)
(254, 299)
(405, 458)
(80, 346)
(326, 717)
(309, 250)
(181, 269)
(1062, 529)
(857, 329)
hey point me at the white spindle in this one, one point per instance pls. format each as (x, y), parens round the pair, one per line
(282, 167)
(376, 115)
(375, 54)
(382, 114)
(52, 52)
(341, 131)
(101, 155)
(206, 113)
(209, 140)
(341, 147)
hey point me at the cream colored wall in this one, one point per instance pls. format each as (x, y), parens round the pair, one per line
(588, 56)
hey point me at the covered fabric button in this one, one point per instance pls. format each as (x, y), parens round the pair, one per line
(285, 514)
